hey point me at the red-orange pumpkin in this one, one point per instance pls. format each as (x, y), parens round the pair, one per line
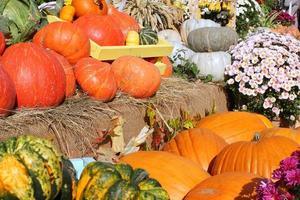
(136, 77)
(2, 43)
(7, 93)
(64, 38)
(96, 78)
(235, 126)
(124, 21)
(260, 156)
(84, 7)
(38, 77)
(70, 77)
(101, 29)
(197, 144)
(227, 186)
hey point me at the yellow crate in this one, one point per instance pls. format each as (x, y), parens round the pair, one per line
(163, 48)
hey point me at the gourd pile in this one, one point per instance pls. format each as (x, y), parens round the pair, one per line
(225, 157)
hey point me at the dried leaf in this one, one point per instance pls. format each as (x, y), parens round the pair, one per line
(117, 136)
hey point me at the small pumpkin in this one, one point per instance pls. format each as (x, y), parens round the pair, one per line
(2, 43)
(136, 77)
(148, 36)
(235, 126)
(30, 168)
(85, 7)
(100, 29)
(124, 21)
(96, 78)
(133, 38)
(227, 186)
(67, 13)
(212, 63)
(7, 93)
(169, 169)
(260, 156)
(288, 30)
(164, 65)
(64, 38)
(212, 39)
(100, 180)
(193, 24)
(39, 79)
(70, 77)
(197, 144)
(290, 133)
(170, 35)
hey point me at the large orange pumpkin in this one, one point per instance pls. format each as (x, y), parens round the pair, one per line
(176, 174)
(2, 43)
(199, 145)
(84, 7)
(260, 156)
(96, 78)
(286, 132)
(38, 77)
(70, 77)
(136, 76)
(227, 186)
(64, 38)
(7, 93)
(235, 126)
(124, 21)
(101, 29)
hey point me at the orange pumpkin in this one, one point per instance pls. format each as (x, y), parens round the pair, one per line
(123, 20)
(227, 186)
(199, 145)
(167, 69)
(96, 78)
(70, 77)
(235, 126)
(260, 156)
(67, 13)
(136, 76)
(286, 132)
(64, 38)
(176, 174)
(83, 7)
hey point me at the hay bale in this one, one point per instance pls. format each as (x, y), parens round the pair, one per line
(75, 124)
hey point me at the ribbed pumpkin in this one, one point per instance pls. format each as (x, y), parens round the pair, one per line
(123, 20)
(260, 156)
(64, 38)
(96, 78)
(38, 77)
(101, 30)
(212, 39)
(176, 174)
(197, 144)
(136, 76)
(85, 7)
(286, 132)
(2, 43)
(70, 77)
(30, 168)
(227, 186)
(101, 180)
(7, 93)
(235, 126)
(148, 36)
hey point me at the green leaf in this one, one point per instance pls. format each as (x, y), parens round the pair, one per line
(188, 124)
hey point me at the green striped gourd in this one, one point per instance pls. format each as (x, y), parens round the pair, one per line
(148, 37)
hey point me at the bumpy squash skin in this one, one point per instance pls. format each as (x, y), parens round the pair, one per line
(120, 182)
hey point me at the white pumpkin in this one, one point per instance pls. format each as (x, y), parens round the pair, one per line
(180, 50)
(170, 35)
(212, 63)
(193, 24)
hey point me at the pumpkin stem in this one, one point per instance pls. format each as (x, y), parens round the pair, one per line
(99, 3)
(256, 137)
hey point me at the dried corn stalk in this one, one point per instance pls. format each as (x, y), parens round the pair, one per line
(153, 13)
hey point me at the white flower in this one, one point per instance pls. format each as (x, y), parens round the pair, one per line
(230, 81)
(284, 95)
(292, 117)
(292, 97)
(244, 107)
(276, 111)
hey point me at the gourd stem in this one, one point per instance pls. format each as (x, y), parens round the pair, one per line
(99, 3)
(256, 137)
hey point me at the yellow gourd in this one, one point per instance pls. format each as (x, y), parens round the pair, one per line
(67, 13)
(133, 38)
